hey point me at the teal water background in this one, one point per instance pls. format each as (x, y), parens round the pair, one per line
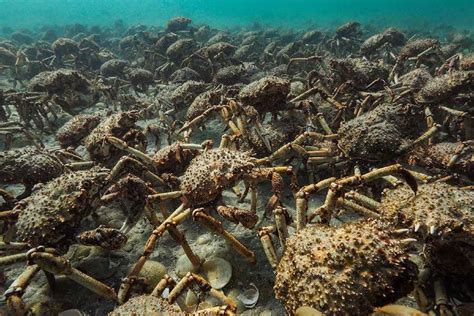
(228, 13)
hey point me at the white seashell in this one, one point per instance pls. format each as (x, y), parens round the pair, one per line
(191, 299)
(218, 272)
(250, 296)
(183, 266)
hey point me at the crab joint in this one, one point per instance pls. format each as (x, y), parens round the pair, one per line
(216, 226)
(280, 220)
(13, 294)
(267, 244)
(60, 265)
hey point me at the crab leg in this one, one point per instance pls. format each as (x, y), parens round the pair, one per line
(441, 297)
(138, 168)
(217, 310)
(267, 243)
(280, 221)
(199, 118)
(179, 215)
(217, 227)
(8, 260)
(333, 193)
(296, 146)
(430, 132)
(14, 246)
(120, 144)
(324, 124)
(13, 294)
(8, 128)
(247, 218)
(80, 165)
(178, 237)
(191, 278)
(363, 199)
(10, 200)
(302, 200)
(60, 265)
(356, 207)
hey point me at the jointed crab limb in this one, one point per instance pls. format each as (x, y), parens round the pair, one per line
(426, 135)
(178, 237)
(60, 265)
(198, 119)
(7, 129)
(363, 199)
(345, 203)
(8, 260)
(179, 215)
(216, 226)
(165, 282)
(127, 163)
(191, 278)
(302, 200)
(13, 294)
(17, 246)
(441, 298)
(295, 145)
(334, 192)
(267, 243)
(280, 221)
(10, 200)
(236, 215)
(324, 124)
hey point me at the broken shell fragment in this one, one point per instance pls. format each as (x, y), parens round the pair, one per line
(250, 296)
(218, 272)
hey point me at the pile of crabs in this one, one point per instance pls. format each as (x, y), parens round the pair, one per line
(339, 161)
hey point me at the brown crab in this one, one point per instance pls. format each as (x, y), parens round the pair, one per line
(389, 38)
(351, 269)
(76, 129)
(120, 125)
(52, 214)
(30, 166)
(446, 87)
(200, 189)
(266, 95)
(416, 50)
(179, 23)
(445, 156)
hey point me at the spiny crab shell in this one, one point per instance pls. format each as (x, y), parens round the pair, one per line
(76, 129)
(53, 212)
(212, 172)
(381, 133)
(444, 215)
(267, 94)
(441, 88)
(121, 125)
(435, 204)
(28, 165)
(348, 270)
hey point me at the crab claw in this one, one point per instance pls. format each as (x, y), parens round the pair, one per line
(104, 237)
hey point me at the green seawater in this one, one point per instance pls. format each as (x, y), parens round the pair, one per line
(229, 13)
